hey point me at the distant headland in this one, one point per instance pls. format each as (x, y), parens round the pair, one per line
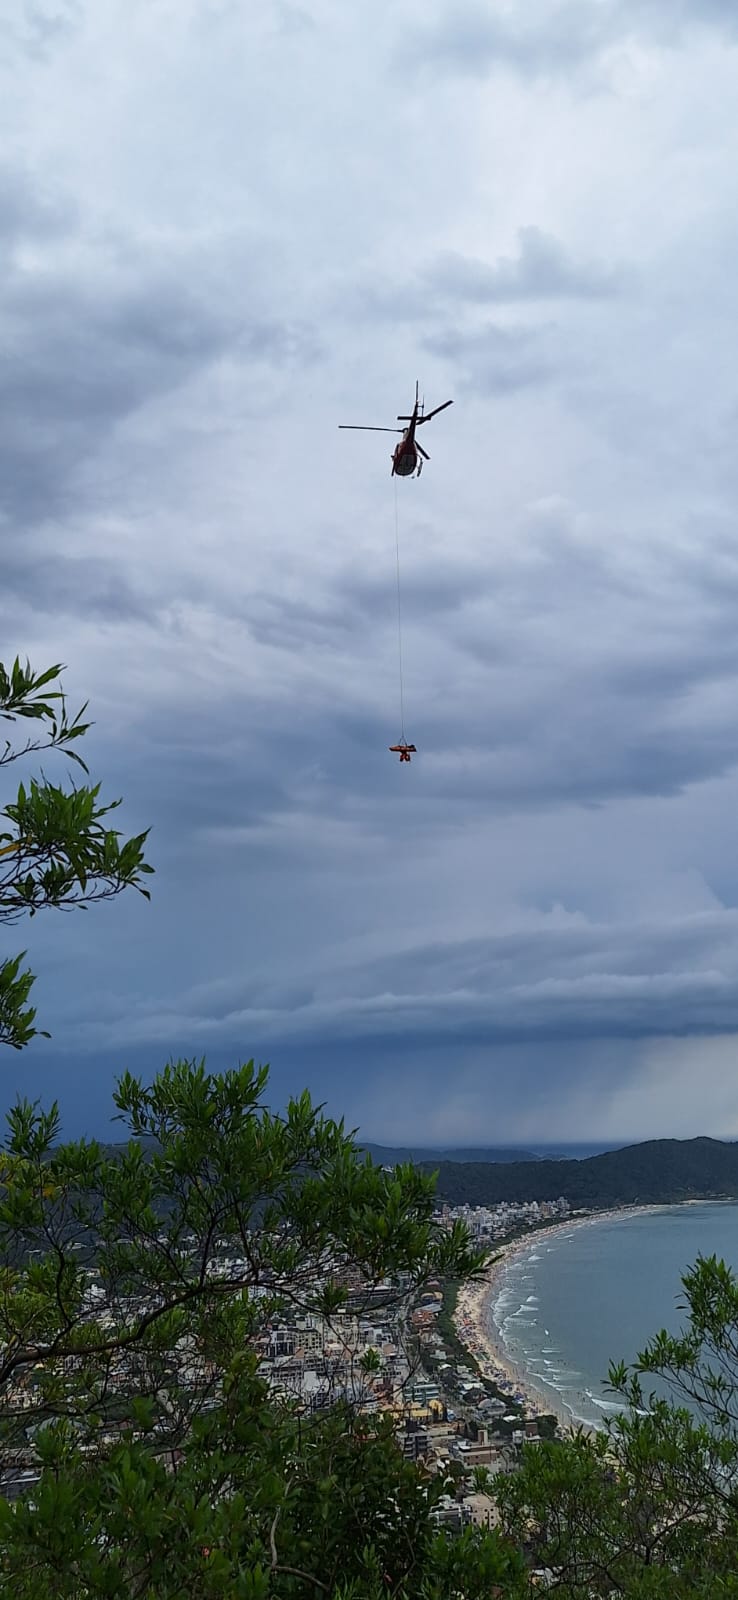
(657, 1172)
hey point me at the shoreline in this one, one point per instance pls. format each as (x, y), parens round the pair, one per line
(480, 1334)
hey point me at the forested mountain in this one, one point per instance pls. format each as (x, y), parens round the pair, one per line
(658, 1170)
(389, 1155)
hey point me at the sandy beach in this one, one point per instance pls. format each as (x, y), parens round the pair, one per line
(476, 1327)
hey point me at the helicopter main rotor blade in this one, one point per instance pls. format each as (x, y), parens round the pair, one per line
(435, 413)
(424, 453)
(362, 427)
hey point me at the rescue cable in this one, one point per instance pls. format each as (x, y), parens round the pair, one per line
(399, 617)
(402, 749)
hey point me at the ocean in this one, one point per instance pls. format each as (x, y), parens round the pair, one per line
(596, 1292)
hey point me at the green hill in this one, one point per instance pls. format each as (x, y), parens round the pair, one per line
(657, 1171)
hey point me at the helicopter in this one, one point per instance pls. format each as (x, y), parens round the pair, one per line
(408, 456)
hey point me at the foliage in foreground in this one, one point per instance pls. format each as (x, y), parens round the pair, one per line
(57, 849)
(650, 1508)
(173, 1467)
(216, 1218)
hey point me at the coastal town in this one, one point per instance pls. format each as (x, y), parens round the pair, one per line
(436, 1364)
(425, 1359)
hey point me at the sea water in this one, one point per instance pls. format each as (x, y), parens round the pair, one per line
(580, 1297)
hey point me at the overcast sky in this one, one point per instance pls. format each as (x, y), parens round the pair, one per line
(224, 229)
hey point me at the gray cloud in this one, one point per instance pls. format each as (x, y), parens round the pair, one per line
(28, 213)
(558, 40)
(82, 357)
(471, 40)
(39, 27)
(497, 360)
(79, 361)
(541, 270)
(294, 19)
(575, 982)
(76, 586)
(505, 718)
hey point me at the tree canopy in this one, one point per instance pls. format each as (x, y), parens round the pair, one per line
(648, 1508)
(56, 846)
(135, 1288)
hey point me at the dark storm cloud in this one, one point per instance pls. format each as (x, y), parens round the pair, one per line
(591, 982)
(509, 701)
(197, 777)
(541, 270)
(506, 719)
(419, 1090)
(577, 762)
(550, 40)
(582, 979)
(618, 721)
